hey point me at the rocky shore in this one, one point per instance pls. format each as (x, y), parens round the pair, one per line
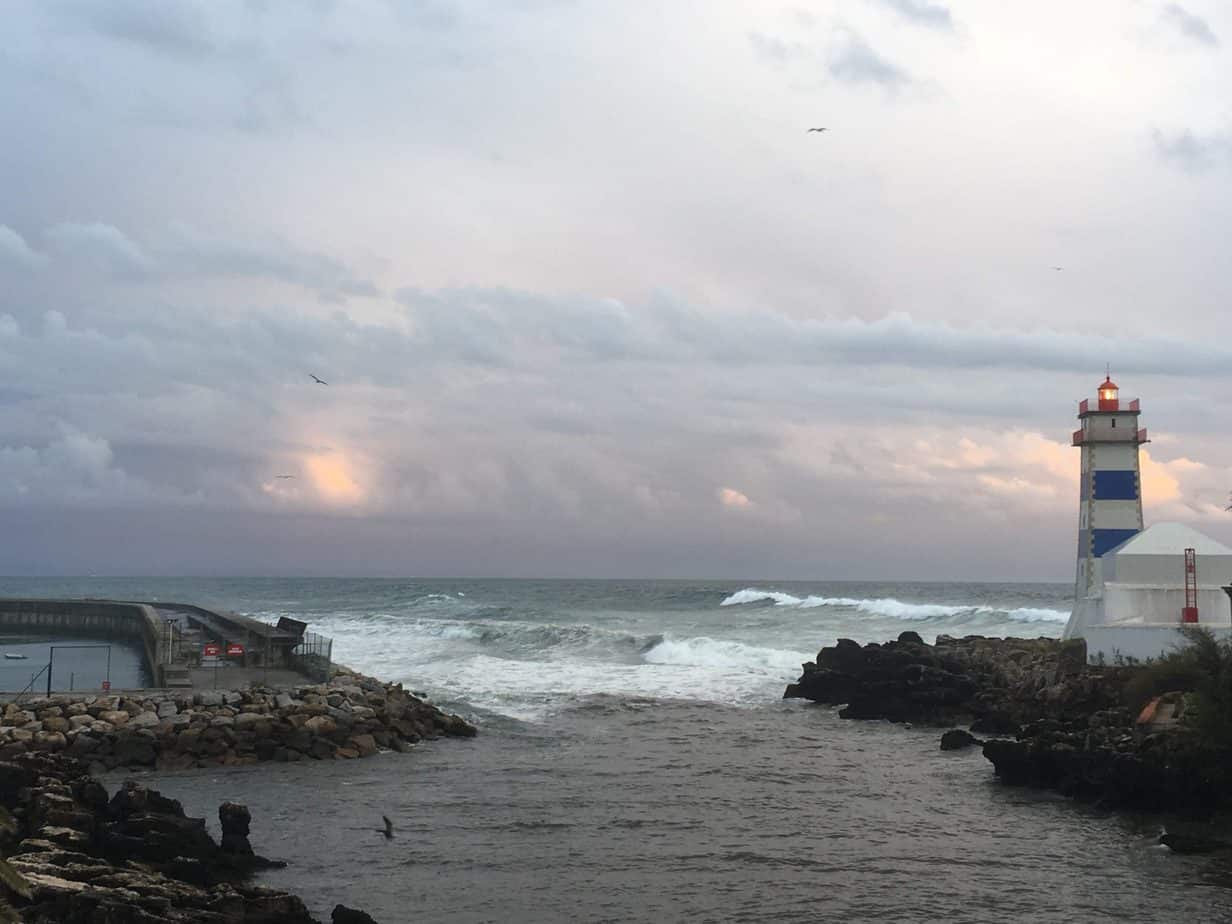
(72, 855)
(351, 716)
(1052, 721)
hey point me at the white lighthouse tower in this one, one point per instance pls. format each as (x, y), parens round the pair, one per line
(1110, 495)
(1135, 587)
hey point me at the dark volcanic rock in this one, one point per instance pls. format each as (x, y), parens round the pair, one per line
(956, 739)
(995, 683)
(234, 820)
(1188, 843)
(134, 859)
(344, 915)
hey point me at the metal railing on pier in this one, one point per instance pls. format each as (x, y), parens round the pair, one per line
(313, 656)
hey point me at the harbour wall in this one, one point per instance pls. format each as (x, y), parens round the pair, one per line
(137, 622)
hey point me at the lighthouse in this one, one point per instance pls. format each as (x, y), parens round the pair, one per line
(1135, 587)
(1110, 493)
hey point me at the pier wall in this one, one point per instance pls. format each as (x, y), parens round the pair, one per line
(107, 618)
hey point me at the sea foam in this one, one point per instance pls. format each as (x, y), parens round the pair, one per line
(891, 608)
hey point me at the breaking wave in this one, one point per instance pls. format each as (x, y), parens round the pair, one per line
(890, 608)
(708, 652)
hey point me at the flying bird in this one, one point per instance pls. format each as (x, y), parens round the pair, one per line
(318, 381)
(1058, 268)
(284, 476)
(815, 130)
(389, 827)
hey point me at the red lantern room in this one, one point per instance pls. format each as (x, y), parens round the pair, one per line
(1108, 400)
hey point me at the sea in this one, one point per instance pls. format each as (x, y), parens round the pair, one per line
(636, 762)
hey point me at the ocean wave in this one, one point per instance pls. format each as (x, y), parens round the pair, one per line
(891, 608)
(709, 652)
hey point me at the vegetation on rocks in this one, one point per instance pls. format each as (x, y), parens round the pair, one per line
(1050, 719)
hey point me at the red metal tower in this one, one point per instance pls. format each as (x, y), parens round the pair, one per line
(1190, 612)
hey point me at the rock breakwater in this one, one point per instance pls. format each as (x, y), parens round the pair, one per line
(351, 716)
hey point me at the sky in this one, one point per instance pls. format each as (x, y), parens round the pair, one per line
(589, 298)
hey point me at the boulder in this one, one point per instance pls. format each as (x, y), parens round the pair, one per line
(234, 820)
(956, 739)
(143, 720)
(344, 915)
(321, 725)
(49, 741)
(134, 751)
(250, 720)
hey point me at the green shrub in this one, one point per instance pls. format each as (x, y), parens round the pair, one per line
(1202, 666)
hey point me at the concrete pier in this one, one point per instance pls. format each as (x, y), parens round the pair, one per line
(178, 640)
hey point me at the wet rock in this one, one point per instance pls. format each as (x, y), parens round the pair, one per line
(235, 820)
(321, 725)
(956, 739)
(344, 915)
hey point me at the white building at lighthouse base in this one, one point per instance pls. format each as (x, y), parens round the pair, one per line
(1133, 608)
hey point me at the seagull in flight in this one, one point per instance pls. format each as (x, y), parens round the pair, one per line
(284, 476)
(318, 381)
(389, 827)
(1058, 268)
(815, 130)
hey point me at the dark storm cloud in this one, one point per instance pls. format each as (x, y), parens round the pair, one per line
(922, 12)
(1189, 25)
(853, 60)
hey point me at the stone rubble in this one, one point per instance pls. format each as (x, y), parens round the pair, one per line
(351, 716)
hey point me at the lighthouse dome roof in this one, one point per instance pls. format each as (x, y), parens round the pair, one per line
(1171, 539)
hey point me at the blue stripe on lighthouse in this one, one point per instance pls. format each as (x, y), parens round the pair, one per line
(1106, 539)
(1116, 485)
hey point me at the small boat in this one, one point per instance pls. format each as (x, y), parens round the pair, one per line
(15, 657)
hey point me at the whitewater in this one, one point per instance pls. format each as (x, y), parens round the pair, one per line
(529, 649)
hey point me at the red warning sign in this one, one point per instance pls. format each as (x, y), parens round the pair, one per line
(211, 650)
(234, 650)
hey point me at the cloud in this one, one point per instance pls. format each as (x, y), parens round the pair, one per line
(730, 497)
(14, 251)
(922, 12)
(74, 468)
(102, 246)
(189, 252)
(853, 61)
(1189, 25)
(776, 50)
(1191, 152)
(507, 328)
(172, 26)
(186, 253)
